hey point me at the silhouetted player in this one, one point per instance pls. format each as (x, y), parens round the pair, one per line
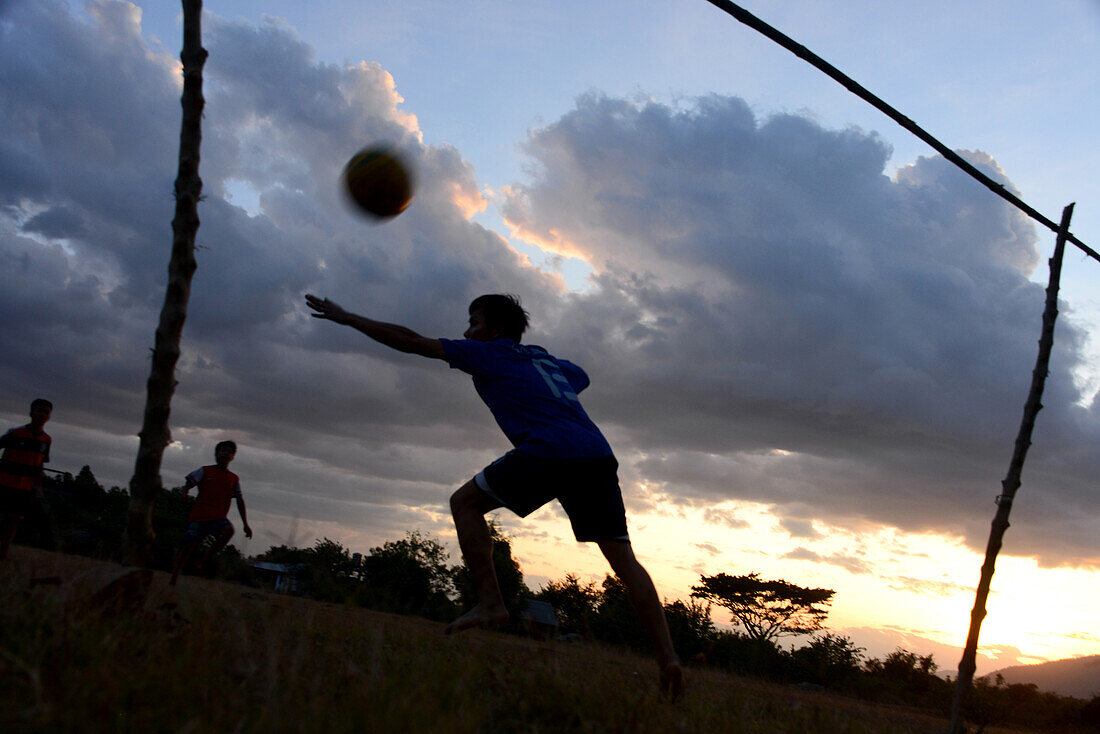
(559, 453)
(209, 516)
(26, 449)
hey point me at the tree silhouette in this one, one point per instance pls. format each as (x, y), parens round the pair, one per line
(408, 576)
(829, 659)
(574, 602)
(691, 628)
(509, 575)
(616, 619)
(766, 609)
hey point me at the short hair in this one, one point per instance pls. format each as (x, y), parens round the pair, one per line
(42, 402)
(502, 311)
(226, 444)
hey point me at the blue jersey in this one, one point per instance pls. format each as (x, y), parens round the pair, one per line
(532, 395)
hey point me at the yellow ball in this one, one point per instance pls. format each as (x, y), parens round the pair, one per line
(379, 182)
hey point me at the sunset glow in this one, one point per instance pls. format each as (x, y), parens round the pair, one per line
(809, 336)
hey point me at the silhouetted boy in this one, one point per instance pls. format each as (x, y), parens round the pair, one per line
(559, 454)
(26, 449)
(209, 515)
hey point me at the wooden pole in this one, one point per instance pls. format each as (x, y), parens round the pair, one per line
(855, 88)
(1011, 482)
(145, 484)
(1023, 440)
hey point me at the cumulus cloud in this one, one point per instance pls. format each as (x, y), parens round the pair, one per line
(797, 528)
(849, 563)
(771, 318)
(331, 430)
(777, 320)
(927, 586)
(709, 548)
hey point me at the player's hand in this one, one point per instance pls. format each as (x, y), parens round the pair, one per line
(247, 532)
(325, 309)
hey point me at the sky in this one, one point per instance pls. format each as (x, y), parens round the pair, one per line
(810, 337)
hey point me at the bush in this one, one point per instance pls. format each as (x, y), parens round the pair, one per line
(740, 653)
(408, 576)
(690, 627)
(575, 603)
(509, 575)
(828, 660)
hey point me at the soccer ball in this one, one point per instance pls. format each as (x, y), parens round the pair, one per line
(379, 182)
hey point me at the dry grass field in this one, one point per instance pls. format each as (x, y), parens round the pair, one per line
(80, 653)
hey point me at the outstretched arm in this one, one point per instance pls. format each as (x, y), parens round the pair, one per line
(188, 483)
(244, 517)
(392, 335)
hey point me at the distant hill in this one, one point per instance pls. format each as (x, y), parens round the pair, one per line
(1079, 677)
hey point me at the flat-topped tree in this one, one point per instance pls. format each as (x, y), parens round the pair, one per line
(766, 609)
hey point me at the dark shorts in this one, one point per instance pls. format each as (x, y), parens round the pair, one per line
(198, 530)
(16, 502)
(588, 490)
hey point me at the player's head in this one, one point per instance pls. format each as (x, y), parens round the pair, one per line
(225, 450)
(501, 315)
(40, 410)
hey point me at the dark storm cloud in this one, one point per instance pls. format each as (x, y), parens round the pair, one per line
(772, 318)
(346, 432)
(775, 319)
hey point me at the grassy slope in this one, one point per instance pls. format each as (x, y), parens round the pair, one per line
(214, 657)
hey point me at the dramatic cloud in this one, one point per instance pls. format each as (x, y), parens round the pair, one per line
(771, 318)
(774, 319)
(332, 429)
(848, 563)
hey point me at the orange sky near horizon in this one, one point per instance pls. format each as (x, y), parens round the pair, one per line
(916, 590)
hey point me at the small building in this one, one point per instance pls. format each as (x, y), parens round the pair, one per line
(278, 576)
(539, 619)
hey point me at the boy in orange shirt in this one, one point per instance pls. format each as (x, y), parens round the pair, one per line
(26, 449)
(209, 515)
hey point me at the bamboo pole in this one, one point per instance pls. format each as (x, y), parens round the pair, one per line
(145, 484)
(1011, 482)
(855, 88)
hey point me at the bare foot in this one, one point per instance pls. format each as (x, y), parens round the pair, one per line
(477, 617)
(672, 681)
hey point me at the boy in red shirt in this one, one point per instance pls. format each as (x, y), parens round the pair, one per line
(26, 449)
(217, 488)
